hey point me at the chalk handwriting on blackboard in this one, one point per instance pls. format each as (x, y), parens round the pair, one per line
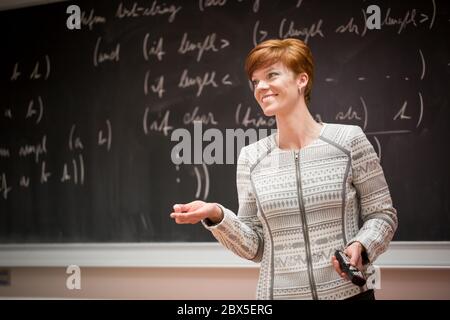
(304, 33)
(44, 173)
(157, 87)
(106, 139)
(74, 141)
(31, 111)
(207, 79)
(402, 112)
(349, 115)
(161, 126)
(100, 57)
(318, 117)
(259, 35)
(204, 4)
(156, 9)
(352, 114)
(35, 150)
(8, 113)
(208, 44)
(353, 27)
(156, 48)
(92, 19)
(421, 110)
(288, 29)
(37, 72)
(208, 118)
(15, 75)
(199, 181)
(4, 153)
(24, 181)
(4, 188)
(78, 173)
(248, 120)
(422, 59)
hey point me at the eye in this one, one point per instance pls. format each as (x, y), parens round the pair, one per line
(255, 83)
(271, 75)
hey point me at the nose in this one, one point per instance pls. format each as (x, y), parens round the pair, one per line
(261, 85)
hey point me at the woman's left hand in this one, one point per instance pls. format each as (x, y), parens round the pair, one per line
(353, 252)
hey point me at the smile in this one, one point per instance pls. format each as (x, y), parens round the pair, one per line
(264, 97)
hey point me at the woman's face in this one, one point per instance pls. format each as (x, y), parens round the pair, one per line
(276, 88)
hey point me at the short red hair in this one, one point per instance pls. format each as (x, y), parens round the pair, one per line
(293, 53)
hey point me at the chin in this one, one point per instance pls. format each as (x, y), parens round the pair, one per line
(269, 112)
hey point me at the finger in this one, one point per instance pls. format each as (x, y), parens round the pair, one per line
(193, 205)
(348, 252)
(179, 219)
(185, 218)
(336, 265)
(180, 216)
(338, 269)
(179, 208)
(354, 260)
(353, 256)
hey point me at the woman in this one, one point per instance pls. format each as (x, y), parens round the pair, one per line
(302, 191)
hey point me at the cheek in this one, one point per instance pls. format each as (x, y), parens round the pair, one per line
(255, 94)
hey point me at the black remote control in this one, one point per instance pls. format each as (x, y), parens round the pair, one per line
(352, 272)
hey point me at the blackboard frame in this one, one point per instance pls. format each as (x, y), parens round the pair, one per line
(401, 254)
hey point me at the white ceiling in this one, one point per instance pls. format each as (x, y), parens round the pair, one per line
(13, 4)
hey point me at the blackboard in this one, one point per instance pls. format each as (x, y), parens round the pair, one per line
(86, 116)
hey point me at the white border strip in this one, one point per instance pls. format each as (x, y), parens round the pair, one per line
(202, 255)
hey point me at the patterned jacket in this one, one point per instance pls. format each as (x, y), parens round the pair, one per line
(297, 207)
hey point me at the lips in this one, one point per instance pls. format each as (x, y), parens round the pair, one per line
(264, 97)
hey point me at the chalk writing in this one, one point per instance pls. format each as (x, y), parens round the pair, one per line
(208, 44)
(92, 19)
(156, 48)
(156, 9)
(100, 57)
(4, 188)
(208, 118)
(247, 120)
(35, 150)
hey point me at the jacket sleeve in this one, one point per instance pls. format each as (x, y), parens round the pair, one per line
(243, 233)
(376, 209)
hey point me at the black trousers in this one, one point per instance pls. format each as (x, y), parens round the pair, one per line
(366, 295)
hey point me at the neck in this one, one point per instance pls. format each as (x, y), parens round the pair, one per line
(297, 128)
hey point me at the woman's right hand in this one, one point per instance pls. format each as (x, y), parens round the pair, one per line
(195, 211)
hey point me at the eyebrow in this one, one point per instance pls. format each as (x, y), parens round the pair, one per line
(267, 71)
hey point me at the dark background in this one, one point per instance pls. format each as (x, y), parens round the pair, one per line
(127, 190)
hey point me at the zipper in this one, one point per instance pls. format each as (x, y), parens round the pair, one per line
(305, 228)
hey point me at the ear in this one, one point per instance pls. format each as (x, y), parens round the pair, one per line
(302, 80)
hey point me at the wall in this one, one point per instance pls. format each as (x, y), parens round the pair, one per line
(198, 283)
